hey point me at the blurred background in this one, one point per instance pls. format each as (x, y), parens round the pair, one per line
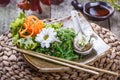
(10, 9)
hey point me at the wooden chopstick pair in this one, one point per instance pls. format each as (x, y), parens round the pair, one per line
(64, 62)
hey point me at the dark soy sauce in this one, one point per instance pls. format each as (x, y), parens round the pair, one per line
(98, 11)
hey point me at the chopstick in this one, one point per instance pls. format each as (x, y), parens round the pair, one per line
(39, 55)
(36, 54)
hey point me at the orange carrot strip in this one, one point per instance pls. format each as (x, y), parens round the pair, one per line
(32, 25)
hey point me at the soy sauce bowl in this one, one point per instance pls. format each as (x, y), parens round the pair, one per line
(98, 10)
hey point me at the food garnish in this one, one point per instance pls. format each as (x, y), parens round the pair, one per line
(15, 27)
(33, 34)
(31, 26)
(46, 36)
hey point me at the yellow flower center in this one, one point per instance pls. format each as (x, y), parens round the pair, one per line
(46, 37)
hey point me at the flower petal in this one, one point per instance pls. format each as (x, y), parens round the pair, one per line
(51, 37)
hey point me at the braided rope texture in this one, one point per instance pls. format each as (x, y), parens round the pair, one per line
(14, 67)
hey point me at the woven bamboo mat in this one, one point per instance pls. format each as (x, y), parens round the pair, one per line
(14, 67)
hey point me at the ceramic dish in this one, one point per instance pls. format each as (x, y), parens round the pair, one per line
(79, 52)
(85, 48)
(98, 10)
(45, 66)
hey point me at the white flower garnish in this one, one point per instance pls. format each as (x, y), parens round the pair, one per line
(46, 36)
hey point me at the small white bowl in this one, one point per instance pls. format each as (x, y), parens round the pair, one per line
(83, 52)
(77, 49)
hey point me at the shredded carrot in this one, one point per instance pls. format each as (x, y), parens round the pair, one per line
(31, 26)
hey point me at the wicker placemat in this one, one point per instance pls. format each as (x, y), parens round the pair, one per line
(13, 66)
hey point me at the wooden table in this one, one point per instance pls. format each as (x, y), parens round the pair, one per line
(65, 8)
